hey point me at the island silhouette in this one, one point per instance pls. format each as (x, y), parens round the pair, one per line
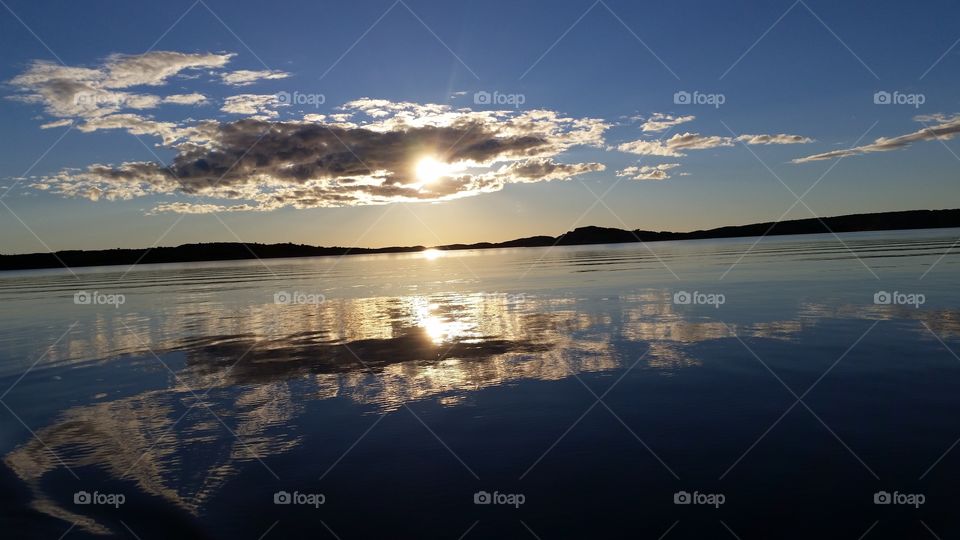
(227, 251)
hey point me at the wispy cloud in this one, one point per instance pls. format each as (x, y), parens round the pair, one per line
(245, 77)
(186, 99)
(781, 138)
(90, 92)
(944, 127)
(56, 123)
(648, 172)
(676, 145)
(258, 105)
(661, 122)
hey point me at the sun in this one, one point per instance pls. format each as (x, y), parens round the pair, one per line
(429, 170)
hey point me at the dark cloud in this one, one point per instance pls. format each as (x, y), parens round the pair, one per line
(263, 164)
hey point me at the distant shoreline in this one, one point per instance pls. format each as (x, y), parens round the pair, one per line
(228, 251)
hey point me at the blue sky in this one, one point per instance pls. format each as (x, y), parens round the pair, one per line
(804, 74)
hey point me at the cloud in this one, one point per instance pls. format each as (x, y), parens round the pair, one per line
(676, 145)
(781, 138)
(185, 99)
(198, 208)
(648, 148)
(695, 141)
(648, 172)
(261, 105)
(129, 180)
(82, 92)
(154, 68)
(946, 128)
(246, 77)
(362, 157)
(135, 125)
(545, 169)
(57, 123)
(661, 121)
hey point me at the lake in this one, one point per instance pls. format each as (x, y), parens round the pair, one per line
(793, 387)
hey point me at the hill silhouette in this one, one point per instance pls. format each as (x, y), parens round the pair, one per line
(225, 251)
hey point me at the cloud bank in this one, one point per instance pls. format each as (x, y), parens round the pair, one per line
(270, 154)
(367, 155)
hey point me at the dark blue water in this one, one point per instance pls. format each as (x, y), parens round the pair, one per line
(529, 393)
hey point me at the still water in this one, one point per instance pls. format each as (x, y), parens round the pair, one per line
(780, 388)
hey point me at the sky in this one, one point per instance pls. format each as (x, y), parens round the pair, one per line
(419, 122)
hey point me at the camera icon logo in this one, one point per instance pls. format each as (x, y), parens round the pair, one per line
(882, 97)
(282, 497)
(482, 98)
(882, 298)
(682, 98)
(682, 497)
(282, 297)
(682, 298)
(82, 298)
(283, 97)
(482, 497)
(882, 497)
(81, 497)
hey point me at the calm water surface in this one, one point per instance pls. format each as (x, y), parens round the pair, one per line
(574, 382)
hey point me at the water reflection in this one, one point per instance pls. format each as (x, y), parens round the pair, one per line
(181, 456)
(257, 368)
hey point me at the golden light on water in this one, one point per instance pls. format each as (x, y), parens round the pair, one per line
(431, 254)
(440, 329)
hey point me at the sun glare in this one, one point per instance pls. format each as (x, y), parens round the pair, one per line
(431, 254)
(429, 170)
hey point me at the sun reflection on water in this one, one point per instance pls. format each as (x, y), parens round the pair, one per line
(382, 352)
(431, 254)
(441, 329)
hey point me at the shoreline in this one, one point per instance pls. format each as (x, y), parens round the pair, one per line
(589, 235)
